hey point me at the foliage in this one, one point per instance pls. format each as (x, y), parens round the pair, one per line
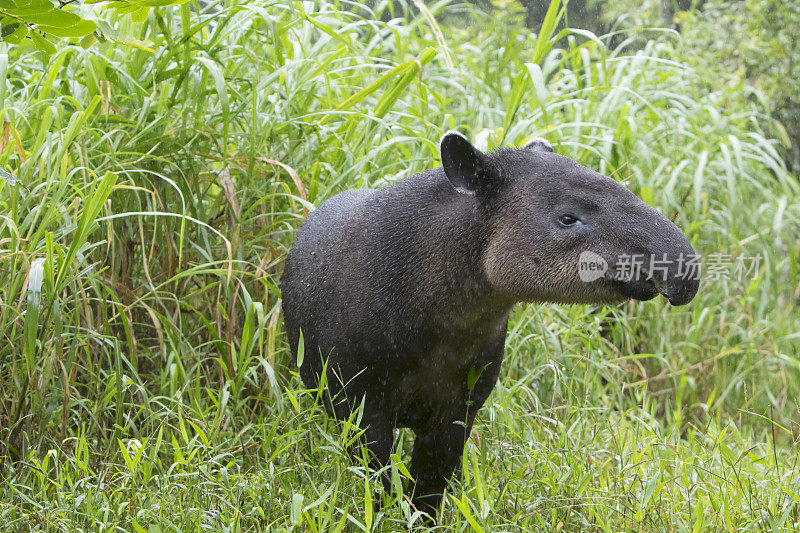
(41, 21)
(755, 42)
(143, 360)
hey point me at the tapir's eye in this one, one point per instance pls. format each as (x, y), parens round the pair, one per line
(568, 220)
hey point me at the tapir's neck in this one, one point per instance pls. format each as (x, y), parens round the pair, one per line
(451, 234)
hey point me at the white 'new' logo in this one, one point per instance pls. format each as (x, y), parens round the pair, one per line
(591, 266)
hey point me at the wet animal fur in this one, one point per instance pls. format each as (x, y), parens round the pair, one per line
(406, 290)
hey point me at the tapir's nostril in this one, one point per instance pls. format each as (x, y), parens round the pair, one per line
(675, 300)
(680, 291)
(681, 298)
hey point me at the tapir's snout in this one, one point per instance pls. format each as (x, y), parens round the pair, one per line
(676, 277)
(663, 263)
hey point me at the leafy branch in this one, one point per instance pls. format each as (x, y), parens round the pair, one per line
(46, 23)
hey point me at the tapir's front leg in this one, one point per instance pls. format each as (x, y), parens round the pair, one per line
(434, 459)
(377, 440)
(437, 453)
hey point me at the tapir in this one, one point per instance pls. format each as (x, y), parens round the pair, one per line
(402, 294)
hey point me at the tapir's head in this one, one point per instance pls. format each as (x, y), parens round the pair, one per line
(560, 232)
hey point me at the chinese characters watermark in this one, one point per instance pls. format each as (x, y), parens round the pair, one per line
(715, 267)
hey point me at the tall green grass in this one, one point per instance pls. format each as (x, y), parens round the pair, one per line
(147, 384)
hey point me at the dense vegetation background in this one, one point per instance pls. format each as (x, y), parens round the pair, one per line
(150, 191)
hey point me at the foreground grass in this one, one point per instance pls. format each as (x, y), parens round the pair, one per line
(147, 383)
(527, 467)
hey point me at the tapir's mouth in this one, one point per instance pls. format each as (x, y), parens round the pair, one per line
(636, 289)
(645, 287)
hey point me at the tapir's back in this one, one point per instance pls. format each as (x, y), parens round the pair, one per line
(351, 282)
(322, 236)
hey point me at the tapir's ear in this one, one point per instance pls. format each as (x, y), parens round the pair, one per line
(469, 170)
(539, 144)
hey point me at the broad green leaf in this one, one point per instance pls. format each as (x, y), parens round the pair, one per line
(474, 374)
(79, 29)
(13, 32)
(390, 97)
(650, 488)
(107, 32)
(55, 18)
(137, 3)
(537, 78)
(123, 8)
(28, 8)
(140, 15)
(160, 3)
(88, 41)
(43, 44)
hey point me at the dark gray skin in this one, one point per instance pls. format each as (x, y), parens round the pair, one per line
(406, 289)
